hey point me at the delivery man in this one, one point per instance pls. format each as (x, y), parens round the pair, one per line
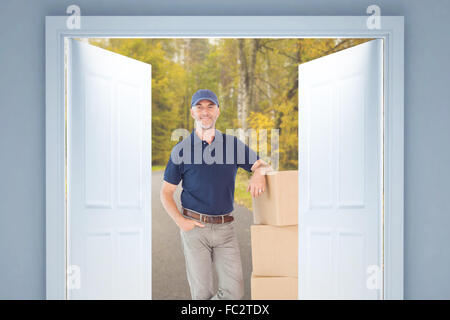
(207, 161)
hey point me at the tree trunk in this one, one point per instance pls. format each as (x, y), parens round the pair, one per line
(246, 90)
(251, 73)
(185, 62)
(242, 96)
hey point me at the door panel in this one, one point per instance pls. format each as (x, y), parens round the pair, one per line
(340, 172)
(109, 175)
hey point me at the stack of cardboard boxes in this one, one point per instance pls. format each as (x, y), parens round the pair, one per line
(274, 238)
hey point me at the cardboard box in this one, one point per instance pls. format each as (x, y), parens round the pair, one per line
(274, 288)
(278, 204)
(274, 250)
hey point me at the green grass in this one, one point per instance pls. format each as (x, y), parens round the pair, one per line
(158, 168)
(241, 195)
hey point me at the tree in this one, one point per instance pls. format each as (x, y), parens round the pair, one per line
(256, 81)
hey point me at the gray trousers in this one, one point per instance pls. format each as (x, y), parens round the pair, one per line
(215, 245)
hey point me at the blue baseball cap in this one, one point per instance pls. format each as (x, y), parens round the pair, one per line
(204, 94)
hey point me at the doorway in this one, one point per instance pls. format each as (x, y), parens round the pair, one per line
(349, 196)
(108, 151)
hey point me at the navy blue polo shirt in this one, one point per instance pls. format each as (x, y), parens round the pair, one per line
(208, 171)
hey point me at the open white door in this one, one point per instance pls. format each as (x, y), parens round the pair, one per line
(109, 175)
(340, 174)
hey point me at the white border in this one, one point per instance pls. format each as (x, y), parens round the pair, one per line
(392, 31)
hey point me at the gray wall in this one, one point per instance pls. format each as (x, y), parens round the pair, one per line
(22, 127)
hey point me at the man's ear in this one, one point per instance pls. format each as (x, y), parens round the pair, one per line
(192, 114)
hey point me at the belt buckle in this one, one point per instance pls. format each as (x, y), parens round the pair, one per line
(201, 220)
(223, 219)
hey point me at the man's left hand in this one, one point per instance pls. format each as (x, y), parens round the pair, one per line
(257, 184)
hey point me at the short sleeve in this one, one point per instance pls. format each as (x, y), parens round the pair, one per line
(250, 156)
(172, 174)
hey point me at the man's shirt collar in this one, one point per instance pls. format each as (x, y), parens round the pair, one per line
(217, 137)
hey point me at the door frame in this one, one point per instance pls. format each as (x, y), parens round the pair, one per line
(391, 30)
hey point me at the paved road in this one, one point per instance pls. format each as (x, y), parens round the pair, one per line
(168, 268)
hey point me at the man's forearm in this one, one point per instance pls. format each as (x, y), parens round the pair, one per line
(171, 207)
(260, 166)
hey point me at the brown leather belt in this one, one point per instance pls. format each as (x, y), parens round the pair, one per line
(208, 218)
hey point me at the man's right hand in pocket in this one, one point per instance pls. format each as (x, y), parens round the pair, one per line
(189, 224)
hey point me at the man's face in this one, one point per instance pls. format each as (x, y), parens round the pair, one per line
(205, 114)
